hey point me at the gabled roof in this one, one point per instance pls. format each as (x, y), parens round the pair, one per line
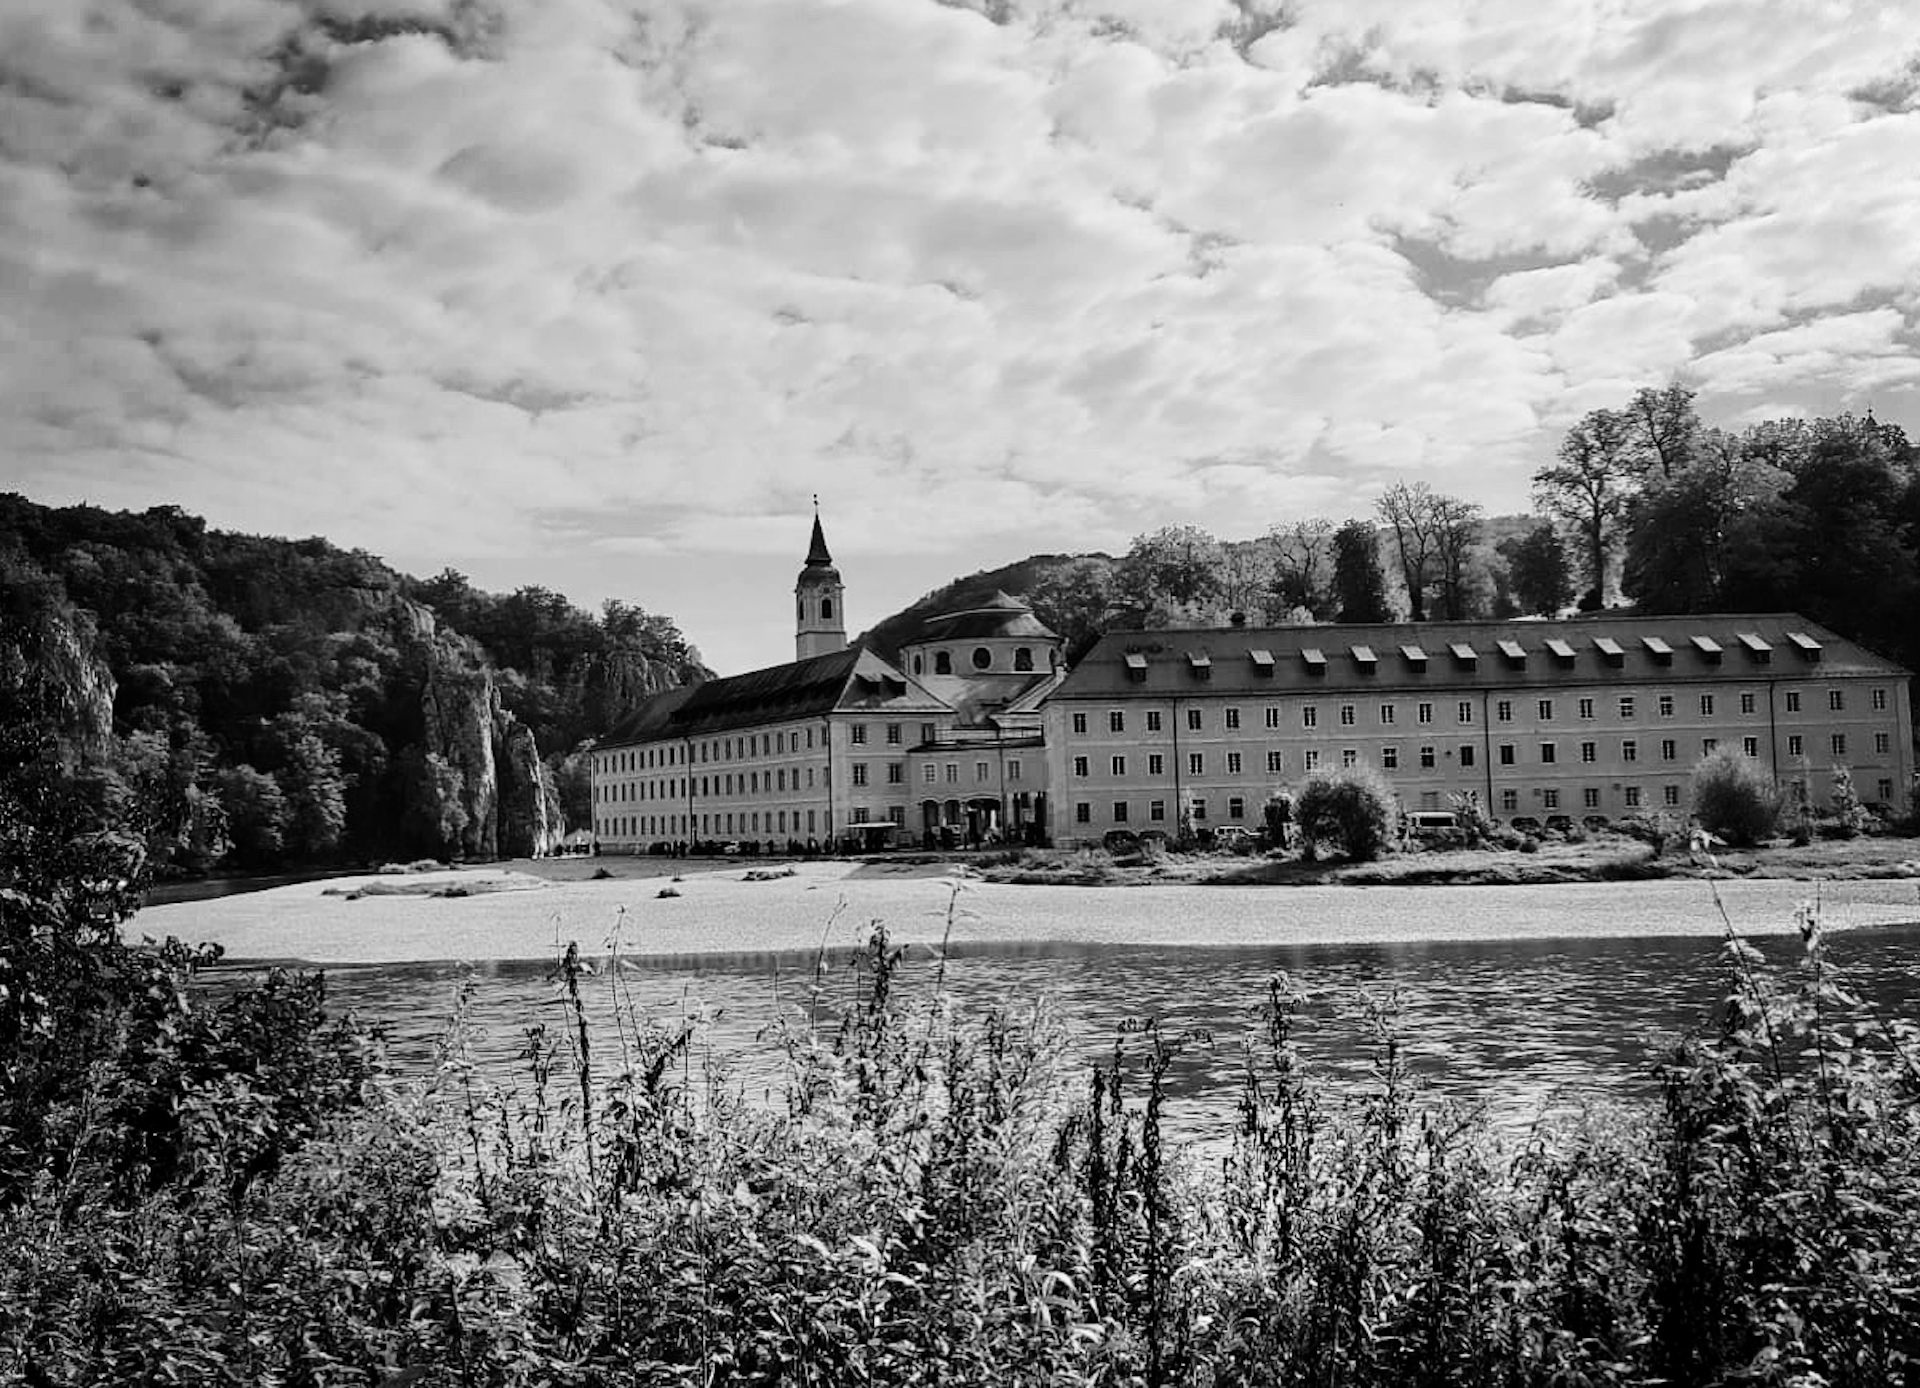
(846, 681)
(1601, 648)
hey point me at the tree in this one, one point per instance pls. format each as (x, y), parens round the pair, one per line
(256, 815)
(1409, 512)
(1359, 588)
(1303, 565)
(315, 793)
(1456, 527)
(1733, 797)
(436, 812)
(1075, 600)
(1246, 575)
(1589, 486)
(1664, 428)
(1350, 811)
(1177, 566)
(1537, 569)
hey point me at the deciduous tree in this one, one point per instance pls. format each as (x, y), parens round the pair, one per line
(1359, 588)
(1537, 570)
(1589, 486)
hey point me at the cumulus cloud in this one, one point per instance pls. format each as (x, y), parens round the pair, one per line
(574, 293)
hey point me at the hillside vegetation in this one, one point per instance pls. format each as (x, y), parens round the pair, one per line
(265, 701)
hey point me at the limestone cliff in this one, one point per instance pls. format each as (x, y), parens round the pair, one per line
(458, 703)
(531, 822)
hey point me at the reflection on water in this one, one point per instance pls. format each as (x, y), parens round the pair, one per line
(1518, 1027)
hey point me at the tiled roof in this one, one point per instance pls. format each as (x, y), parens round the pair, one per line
(1000, 616)
(1455, 655)
(851, 679)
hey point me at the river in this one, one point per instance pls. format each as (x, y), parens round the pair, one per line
(1517, 1000)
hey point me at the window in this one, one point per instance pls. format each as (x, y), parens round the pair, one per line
(1312, 759)
(1882, 743)
(1839, 744)
(1633, 797)
(857, 734)
(1506, 754)
(1427, 758)
(1669, 749)
(1386, 713)
(1464, 712)
(1550, 799)
(1119, 812)
(1796, 745)
(1273, 716)
(1082, 813)
(1349, 757)
(1199, 808)
(927, 734)
(1274, 762)
(1626, 705)
(826, 607)
(1509, 801)
(982, 658)
(1466, 754)
(942, 663)
(1116, 721)
(1119, 766)
(1153, 720)
(982, 772)
(1156, 764)
(1750, 745)
(1746, 703)
(1390, 758)
(1233, 718)
(1309, 717)
(1423, 712)
(1886, 789)
(1157, 811)
(896, 773)
(859, 773)
(1196, 763)
(1545, 710)
(1081, 767)
(1589, 751)
(1707, 744)
(1346, 715)
(1013, 769)
(1504, 710)
(1836, 700)
(1586, 708)
(1670, 795)
(893, 734)
(1706, 705)
(1793, 701)
(1629, 750)
(1879, 701)
(1547, 753)
(1233, 763)
(1023, 659)
(929, 773)
(953, 773)
(1237, 807)
(1193, 720)
(1080, 723)
(1590, 797)
(1666, 705)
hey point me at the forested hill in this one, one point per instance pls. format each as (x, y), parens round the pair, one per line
(258, 701)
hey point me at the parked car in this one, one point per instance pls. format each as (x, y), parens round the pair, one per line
(1120, 841)
(1595, 823)
(1560, 823)
(1524, 824)
(1231, 836)
(1431, 823)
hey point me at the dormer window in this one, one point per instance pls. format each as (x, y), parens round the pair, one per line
(1709, 649)
(1513, 653)
(1808, 647)
(1756, 647)
(1560, 650)
(1137, 667)
(1364, 658)
(1199, 665)
(1661, 652)
(1610, 651)
(1416, 657)
(1464, 654)
(1262, 662)
(1316, 663)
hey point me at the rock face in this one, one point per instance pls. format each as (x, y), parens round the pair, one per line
(458, 702)
(531, 823)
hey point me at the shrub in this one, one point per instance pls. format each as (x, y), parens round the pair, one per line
(1350, 812)
(1850, 816)
(1733, 797)
(1471, 815)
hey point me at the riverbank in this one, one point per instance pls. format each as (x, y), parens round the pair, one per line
(1600, 858)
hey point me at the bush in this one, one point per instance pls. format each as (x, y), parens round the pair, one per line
(1471, 815)
(1733, 797)
(1850, 816)
(1351, 813)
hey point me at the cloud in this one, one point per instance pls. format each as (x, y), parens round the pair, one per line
(571, 292)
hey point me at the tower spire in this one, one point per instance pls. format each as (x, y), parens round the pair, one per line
(820, 615)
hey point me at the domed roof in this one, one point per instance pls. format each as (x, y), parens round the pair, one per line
(999, 617)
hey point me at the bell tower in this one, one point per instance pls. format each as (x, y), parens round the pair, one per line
(820, 614)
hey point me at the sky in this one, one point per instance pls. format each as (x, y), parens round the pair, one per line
(598, 295)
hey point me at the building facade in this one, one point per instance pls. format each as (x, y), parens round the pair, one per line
(839, 747)
(1601, 715)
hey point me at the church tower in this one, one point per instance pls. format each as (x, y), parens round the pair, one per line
(821, 620)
